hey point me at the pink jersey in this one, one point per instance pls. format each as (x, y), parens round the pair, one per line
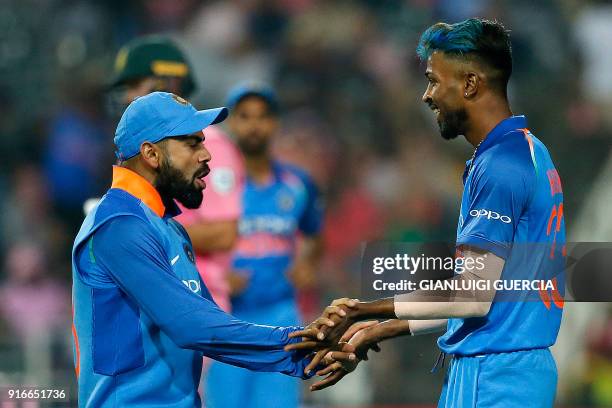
(222, 202)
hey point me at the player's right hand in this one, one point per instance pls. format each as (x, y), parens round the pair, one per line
(337, 365)
(363, 337)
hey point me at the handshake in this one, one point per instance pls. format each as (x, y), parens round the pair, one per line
(338, 340)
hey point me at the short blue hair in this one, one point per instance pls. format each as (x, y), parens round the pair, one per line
(484, 41)
(456, 39)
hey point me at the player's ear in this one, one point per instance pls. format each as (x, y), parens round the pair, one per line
(151, 154)
(471, 84)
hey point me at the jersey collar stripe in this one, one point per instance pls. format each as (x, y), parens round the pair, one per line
(139, 187)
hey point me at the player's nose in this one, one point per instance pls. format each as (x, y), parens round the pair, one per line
(204, 155)
(426, 98)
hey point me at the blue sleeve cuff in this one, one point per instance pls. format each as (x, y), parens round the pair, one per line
(300, 358)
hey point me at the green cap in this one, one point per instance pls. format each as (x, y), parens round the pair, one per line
(152, 56)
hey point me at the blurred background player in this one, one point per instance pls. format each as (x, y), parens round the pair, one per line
(277, 252)
(156, 63)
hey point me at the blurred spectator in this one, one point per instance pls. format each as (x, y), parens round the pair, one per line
(78, 147)
(32, 302)
(27, 216)
(592, 29)
(35, 307)
(599, 375)
(223, 50)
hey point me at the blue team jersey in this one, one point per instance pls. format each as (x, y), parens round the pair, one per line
(512, 206)
(273, 215)
(143, 319)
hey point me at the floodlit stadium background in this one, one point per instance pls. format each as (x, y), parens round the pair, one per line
(350, 87)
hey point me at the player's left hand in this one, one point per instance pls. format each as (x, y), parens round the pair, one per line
(358, 338)
(337, 365)
(313, 335)
(326, 331)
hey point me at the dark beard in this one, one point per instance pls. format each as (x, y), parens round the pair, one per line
(251, 147)
(172, 185)
(453, 124)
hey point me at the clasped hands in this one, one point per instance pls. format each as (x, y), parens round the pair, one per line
(338, 341)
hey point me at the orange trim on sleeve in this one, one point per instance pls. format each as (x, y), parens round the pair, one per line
(77, 366)
(136, 185)
(527, 134)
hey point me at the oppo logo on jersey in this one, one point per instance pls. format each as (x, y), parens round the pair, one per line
(491, 215)
(193, 285)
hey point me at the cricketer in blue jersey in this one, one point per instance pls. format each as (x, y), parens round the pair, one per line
(279, 203)
(511, 217)
(143, 319)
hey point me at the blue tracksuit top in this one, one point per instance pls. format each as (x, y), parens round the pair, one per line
(142, 317)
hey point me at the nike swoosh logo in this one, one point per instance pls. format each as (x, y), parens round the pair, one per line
(173, 261)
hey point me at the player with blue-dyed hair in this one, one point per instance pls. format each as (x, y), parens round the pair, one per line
(481, 41)
(511, 218)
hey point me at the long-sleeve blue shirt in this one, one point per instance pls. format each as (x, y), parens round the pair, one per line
(143, 319)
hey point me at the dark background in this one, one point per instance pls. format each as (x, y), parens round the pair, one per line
(350, 87)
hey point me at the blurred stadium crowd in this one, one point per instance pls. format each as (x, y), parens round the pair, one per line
(350, 87)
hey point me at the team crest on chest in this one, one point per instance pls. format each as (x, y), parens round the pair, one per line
(285, 201)
(189, 253)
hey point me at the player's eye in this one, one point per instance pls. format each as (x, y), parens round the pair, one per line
(193, 142)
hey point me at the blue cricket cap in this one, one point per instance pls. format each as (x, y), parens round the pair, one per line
(159, 115)
(242, 90)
